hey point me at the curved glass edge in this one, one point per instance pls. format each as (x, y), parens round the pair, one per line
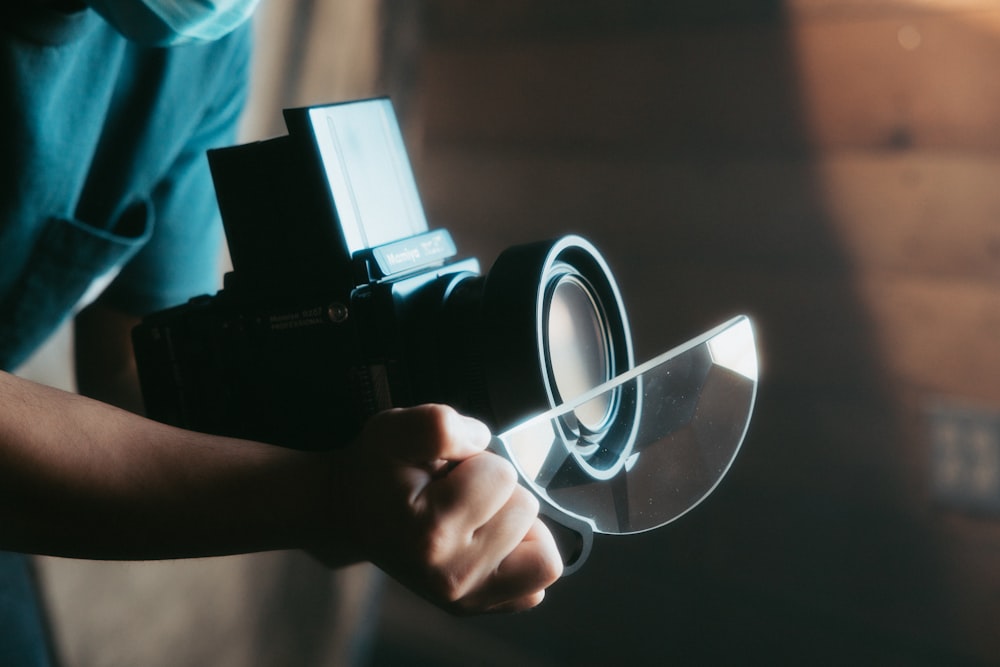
(681, 419)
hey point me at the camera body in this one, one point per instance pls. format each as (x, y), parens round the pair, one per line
(302, 371)
(342, 302)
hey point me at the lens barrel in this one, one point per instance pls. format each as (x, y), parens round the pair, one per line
(544, 326)
(553, 326)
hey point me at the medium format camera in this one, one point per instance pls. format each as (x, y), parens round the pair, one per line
(342, 302)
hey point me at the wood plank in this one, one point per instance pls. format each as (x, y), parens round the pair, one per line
(940, 336)
(899, 83)
(919, 212)
(830, 335)
(877, 8)
(693, 91)
(470, 21)
(818, 82)
(900, 275)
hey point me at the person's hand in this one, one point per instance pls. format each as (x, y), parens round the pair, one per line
(426, 503)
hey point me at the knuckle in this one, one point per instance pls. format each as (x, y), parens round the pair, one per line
(525, 500)
(446, 580)
(435, 548)
(449, 586)
(441, 418)
(439, 421)
(445, 586)
(504, 473)
(549, 570)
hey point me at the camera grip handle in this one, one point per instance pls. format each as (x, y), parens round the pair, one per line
(574, 537)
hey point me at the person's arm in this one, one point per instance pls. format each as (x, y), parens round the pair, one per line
(80, 478)
(416, 495)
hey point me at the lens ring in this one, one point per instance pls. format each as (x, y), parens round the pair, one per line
(516, 299)
(600, 444)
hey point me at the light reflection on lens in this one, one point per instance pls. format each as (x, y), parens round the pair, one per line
(579, 357)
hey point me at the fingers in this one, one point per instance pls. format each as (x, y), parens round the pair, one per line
(473, 491)
(506, 562)
(520, 581)
(446, 518)
(427, 433)
(467, 549)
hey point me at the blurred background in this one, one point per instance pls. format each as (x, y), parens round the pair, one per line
(829, 167)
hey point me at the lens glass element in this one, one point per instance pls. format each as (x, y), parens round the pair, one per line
(578, 348)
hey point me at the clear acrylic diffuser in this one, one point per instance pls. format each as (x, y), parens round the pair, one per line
(673, 427)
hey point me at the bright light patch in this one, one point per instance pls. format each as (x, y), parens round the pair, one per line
(529, 446)
(734, 349)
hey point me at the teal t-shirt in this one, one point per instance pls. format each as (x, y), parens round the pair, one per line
(104, 191)
(102, 151)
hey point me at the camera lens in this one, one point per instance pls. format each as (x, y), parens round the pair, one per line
(554, 328)
(578, 347)
(543, 328)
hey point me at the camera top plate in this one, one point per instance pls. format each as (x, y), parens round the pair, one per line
(297, 209)
(361, 151)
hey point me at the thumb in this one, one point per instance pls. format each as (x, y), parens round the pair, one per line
(426, 434)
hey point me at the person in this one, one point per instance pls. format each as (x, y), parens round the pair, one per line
(107, 212)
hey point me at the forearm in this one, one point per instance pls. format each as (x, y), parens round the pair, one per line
(79, 478)
(416, 495)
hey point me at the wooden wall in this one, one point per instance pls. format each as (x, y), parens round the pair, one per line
(829, 167)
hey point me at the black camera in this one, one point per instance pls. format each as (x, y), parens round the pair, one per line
(342, 303)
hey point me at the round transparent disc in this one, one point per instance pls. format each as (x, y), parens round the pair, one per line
(678, 423)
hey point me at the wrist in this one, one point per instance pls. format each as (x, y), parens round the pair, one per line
(331, 529)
